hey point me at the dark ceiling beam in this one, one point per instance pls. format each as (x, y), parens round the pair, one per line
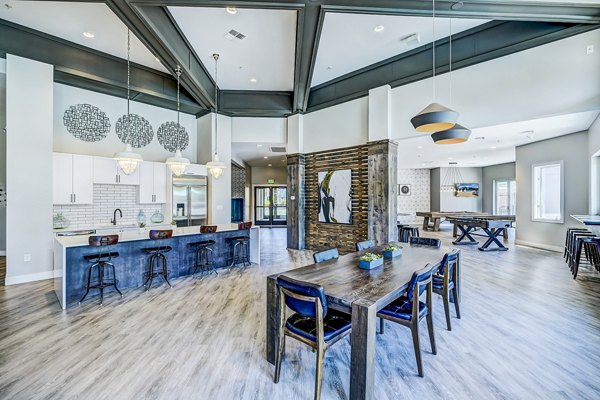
(254, 103)
(90, 69)
(483, 43)
(308, 32)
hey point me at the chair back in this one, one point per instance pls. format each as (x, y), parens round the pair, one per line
(425, 241)
(160, 234)
(325, 255)
(302, 297)
(366, 244)
(245, 226)
(104, 242)
(419, 281)
(449, 263)
(208, 229)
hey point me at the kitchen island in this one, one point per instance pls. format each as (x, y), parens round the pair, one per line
(70, 267)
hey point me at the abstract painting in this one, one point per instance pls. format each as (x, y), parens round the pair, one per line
(86, 122)
(467, 190)
(335, 196)
(403, 189)
(172, 136)
(135, 130)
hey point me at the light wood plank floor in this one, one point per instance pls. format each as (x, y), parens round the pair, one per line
(528, 332)
(2, 270)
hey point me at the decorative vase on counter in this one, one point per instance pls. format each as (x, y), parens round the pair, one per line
(59, 221)
(141, 218)
(157, 217)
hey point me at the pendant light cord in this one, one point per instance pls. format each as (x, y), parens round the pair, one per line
(128, 87)
(178, 72)
(433, 29)
(216, 57)
(450, 67)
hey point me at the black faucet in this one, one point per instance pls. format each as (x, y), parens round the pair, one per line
(114, 220)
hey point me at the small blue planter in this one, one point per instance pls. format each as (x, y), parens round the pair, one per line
(392, 254)
(370, 264)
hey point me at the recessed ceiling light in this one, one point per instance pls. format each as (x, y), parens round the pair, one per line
(270, 165)
(231, 10)
(419, 147)
(378, 28)
(88, 35)
(253, 80)
(265, 157)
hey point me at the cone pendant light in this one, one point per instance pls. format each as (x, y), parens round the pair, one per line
(216, 167)
(435, 117)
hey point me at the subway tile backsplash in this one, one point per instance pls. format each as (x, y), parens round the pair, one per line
(106, 199)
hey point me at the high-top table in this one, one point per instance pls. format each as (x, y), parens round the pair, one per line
(361, 293)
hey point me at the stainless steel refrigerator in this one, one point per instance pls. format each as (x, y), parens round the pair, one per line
(190, 200)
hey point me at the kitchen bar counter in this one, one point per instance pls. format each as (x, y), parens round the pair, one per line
(70, 268)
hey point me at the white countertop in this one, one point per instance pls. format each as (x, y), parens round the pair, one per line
(83, 240)
(90, 227)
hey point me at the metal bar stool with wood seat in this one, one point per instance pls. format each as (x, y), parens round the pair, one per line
(203, 252)
(445, 282)
(157, 262)
(241, 244)
(101, 261)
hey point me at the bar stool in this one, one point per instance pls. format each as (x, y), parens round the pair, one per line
(406, 232)
(157, 263)
(573, 247)
(203, 252)
(590, 244)
(568, 239)
(102, 260)
(241, 251)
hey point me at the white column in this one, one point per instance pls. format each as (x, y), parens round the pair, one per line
(380, 113)
(295, 132)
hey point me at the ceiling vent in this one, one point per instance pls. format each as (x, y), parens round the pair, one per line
(233, 34)
(275, 149)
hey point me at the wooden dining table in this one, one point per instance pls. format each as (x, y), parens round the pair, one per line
(361, 293)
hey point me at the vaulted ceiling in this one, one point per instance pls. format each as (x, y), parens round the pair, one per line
(295, 56)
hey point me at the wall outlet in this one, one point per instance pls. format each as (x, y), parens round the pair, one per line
(589, 49)
(27, 257)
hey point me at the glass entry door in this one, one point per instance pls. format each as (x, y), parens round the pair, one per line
(505, 197)
(270, 206)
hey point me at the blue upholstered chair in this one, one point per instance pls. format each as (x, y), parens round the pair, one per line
(408, 310)
(425, 241)
(367, 244)
(312, 323)
(446, 280)
(325, 255)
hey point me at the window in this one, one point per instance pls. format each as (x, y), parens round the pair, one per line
(505, 197)
(547, 192)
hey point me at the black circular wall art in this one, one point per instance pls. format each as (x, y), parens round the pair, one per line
(86, 122)
(172, 136)
(140, 131)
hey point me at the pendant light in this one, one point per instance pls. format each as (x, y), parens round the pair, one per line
(216, 167)
(458, 133)
(128, 160)
(452, 177)
(435, 117)
(178, 163)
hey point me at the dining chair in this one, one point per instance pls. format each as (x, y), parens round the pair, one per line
(425, 241)
(313, 323)
(325, 255)
(366, 244)
(408, 310)
(446, 280)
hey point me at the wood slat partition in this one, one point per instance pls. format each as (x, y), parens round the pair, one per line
(321, 235)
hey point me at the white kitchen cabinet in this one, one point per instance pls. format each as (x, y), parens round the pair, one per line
(153, 183)
(107, 171)
(72, 179)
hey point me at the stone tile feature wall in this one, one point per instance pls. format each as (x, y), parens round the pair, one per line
(106, 199)
(419, 198)
(238, 182)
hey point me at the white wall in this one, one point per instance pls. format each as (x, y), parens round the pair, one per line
(2, 155)
(594, 154)
(114, 108)
(447, 200)
(261, 174)
(419, 181)
(29, 117)
(343, 125)
(570, 149)
(267, 130)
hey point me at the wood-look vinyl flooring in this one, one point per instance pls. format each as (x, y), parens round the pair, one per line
(529, 331)
(2, 270)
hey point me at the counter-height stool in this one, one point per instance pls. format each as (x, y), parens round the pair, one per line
(569, 238)
(102, 261)
(446, 281)
(574, 247)
(157, 262)
(591, 246)
(241, 245)
(203, 252)
(406, 232)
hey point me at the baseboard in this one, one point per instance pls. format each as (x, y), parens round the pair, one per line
(549, 247)
(40, 276)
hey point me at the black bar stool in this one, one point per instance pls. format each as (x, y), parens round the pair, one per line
(241, 244)
(102, 260)
(591, 245)
(203, 252)
(406, 232)
(157, 263)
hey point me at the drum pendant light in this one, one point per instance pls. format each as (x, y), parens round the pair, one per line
(178, 163)
(435, 117)
(128, 160)
(216, 167)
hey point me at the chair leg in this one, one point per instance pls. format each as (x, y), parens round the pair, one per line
(456, 301)
(381, 326)
(165, 272)
(446, 301)
(88, 284)
(101, 282)
(195, 262)
(150, 272)
(115, 279)
(431, 333)
(210, 261)
(319, 372)
(414, 329)
(575, 268)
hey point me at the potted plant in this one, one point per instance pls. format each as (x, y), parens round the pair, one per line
(142, 226)
(370, 261)
(392, 250)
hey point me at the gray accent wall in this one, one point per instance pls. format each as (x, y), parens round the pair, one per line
(594, 158)
(447, 201)
(489, 175)
(434, 193)
(573, 151)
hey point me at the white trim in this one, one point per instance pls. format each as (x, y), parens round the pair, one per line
(542, 246)
(40, 276)
(562, 192)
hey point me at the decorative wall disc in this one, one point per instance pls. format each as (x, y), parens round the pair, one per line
(140, 131)
(173, 136)
(86, 122)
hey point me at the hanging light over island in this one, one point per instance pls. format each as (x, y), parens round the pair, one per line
(178, 163)
(216, 167)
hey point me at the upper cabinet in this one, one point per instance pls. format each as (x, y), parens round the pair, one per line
(153, 182)
(106, 171)
(72, 179)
